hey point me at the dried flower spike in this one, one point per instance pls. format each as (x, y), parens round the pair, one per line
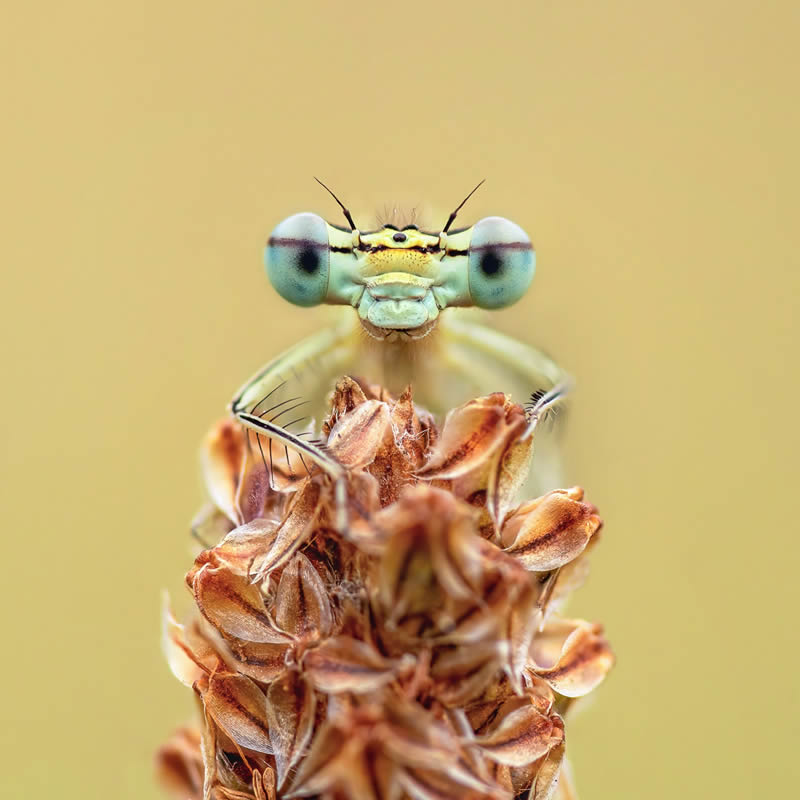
(416, 653)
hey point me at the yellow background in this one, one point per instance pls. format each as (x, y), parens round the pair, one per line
(651, 151)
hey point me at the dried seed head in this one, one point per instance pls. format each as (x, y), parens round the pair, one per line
(414, 653)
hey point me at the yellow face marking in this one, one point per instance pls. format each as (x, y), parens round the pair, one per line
(410, 261)
(409, 251)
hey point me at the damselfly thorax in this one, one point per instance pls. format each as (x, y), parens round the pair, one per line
(407, 293)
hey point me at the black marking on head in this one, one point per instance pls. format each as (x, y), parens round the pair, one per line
(339, 227)
(399, 237)
(307, 245)
(417, 248)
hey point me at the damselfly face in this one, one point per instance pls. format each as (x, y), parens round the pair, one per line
(399, 279)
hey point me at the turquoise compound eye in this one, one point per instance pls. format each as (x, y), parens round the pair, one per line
(297, 259)
(501, 263)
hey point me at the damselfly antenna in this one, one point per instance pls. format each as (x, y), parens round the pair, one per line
(452, 216)
(341, 204)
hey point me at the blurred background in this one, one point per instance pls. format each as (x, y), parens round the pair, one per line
(651, 152)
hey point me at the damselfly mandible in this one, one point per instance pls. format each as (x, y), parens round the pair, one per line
(408, 288)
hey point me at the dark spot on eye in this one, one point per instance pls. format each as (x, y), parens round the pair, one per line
(308, 261)
(491, 263)
(399, 237)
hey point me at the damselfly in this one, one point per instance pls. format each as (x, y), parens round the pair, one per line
(406, 289)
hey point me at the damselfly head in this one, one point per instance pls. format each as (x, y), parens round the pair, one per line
(399, 279)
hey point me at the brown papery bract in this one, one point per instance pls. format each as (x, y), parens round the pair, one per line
(414, 654)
